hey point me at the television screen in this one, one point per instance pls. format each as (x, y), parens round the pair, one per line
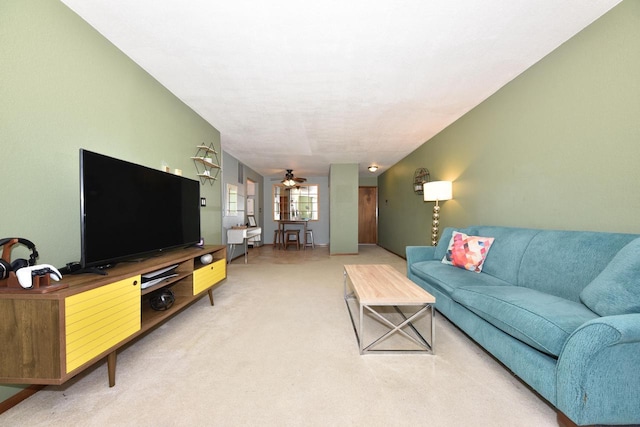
(129, 210)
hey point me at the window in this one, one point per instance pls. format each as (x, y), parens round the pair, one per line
(232, 200)
(299, 202)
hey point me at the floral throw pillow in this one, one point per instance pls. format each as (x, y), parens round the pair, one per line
(468, 252)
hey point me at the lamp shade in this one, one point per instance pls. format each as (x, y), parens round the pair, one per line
(437, 190)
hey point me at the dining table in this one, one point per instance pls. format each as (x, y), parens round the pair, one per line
(282, 223)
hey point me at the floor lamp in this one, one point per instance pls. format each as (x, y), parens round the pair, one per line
(436, 191)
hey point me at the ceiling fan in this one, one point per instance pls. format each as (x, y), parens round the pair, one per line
(290, 180)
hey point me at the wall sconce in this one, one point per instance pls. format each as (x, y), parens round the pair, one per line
(436, 191)
(372, 168)
(420, 176)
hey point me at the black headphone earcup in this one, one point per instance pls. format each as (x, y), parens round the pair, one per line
(162, 299)
(34, 255)
(18, 264)
(5, 268)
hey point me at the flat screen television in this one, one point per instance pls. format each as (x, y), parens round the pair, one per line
(130, 211)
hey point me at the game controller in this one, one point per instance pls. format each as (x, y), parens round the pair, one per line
(26, 274)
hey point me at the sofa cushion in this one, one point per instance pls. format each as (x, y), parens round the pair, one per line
(503, 260)
(443, 243)
(541, 320)
(468, 252)
(447, 279)
(563, 263)
(616, 290)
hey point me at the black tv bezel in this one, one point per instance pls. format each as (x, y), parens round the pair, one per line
(109, 262)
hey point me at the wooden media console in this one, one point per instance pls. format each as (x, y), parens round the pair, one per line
(47, 338)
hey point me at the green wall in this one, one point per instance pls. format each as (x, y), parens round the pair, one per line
(343, 209)
(557, 148)
(368, 181)
(63, 87)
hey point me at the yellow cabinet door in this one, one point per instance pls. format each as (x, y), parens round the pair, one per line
(209, 275)
(99, 319)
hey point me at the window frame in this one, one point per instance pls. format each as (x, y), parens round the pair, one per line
(276, 196)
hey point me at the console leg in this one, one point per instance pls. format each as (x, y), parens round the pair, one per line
(111, 368)
(211, 296)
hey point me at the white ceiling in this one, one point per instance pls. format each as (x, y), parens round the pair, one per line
(300, 85)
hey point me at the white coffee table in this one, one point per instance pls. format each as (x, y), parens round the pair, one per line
(377, 285)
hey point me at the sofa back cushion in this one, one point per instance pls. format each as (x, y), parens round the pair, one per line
(507, 249)
(617, 289)
(563, 263)
(443, 243)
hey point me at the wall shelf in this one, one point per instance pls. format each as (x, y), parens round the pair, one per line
(420, 176)
(207, 163)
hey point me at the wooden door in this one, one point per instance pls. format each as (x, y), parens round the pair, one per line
(368, 215)
(284, 206)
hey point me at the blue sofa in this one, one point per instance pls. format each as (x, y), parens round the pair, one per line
(560, 309)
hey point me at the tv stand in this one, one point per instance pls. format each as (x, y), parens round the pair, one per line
(49, 338)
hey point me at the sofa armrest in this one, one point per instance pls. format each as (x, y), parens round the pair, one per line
(419, 253)
(598, 380)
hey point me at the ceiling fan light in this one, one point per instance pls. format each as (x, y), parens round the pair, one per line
(290, 180)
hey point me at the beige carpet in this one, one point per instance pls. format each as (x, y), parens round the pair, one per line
(278, 349)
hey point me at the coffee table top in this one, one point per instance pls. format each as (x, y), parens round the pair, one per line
(381, 284)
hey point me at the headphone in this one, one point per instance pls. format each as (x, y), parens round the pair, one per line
(6, 266)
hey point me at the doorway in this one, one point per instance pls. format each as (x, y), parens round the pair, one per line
(368, 215)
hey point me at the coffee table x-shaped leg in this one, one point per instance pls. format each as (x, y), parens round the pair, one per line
(374, 286)
(393, 328)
